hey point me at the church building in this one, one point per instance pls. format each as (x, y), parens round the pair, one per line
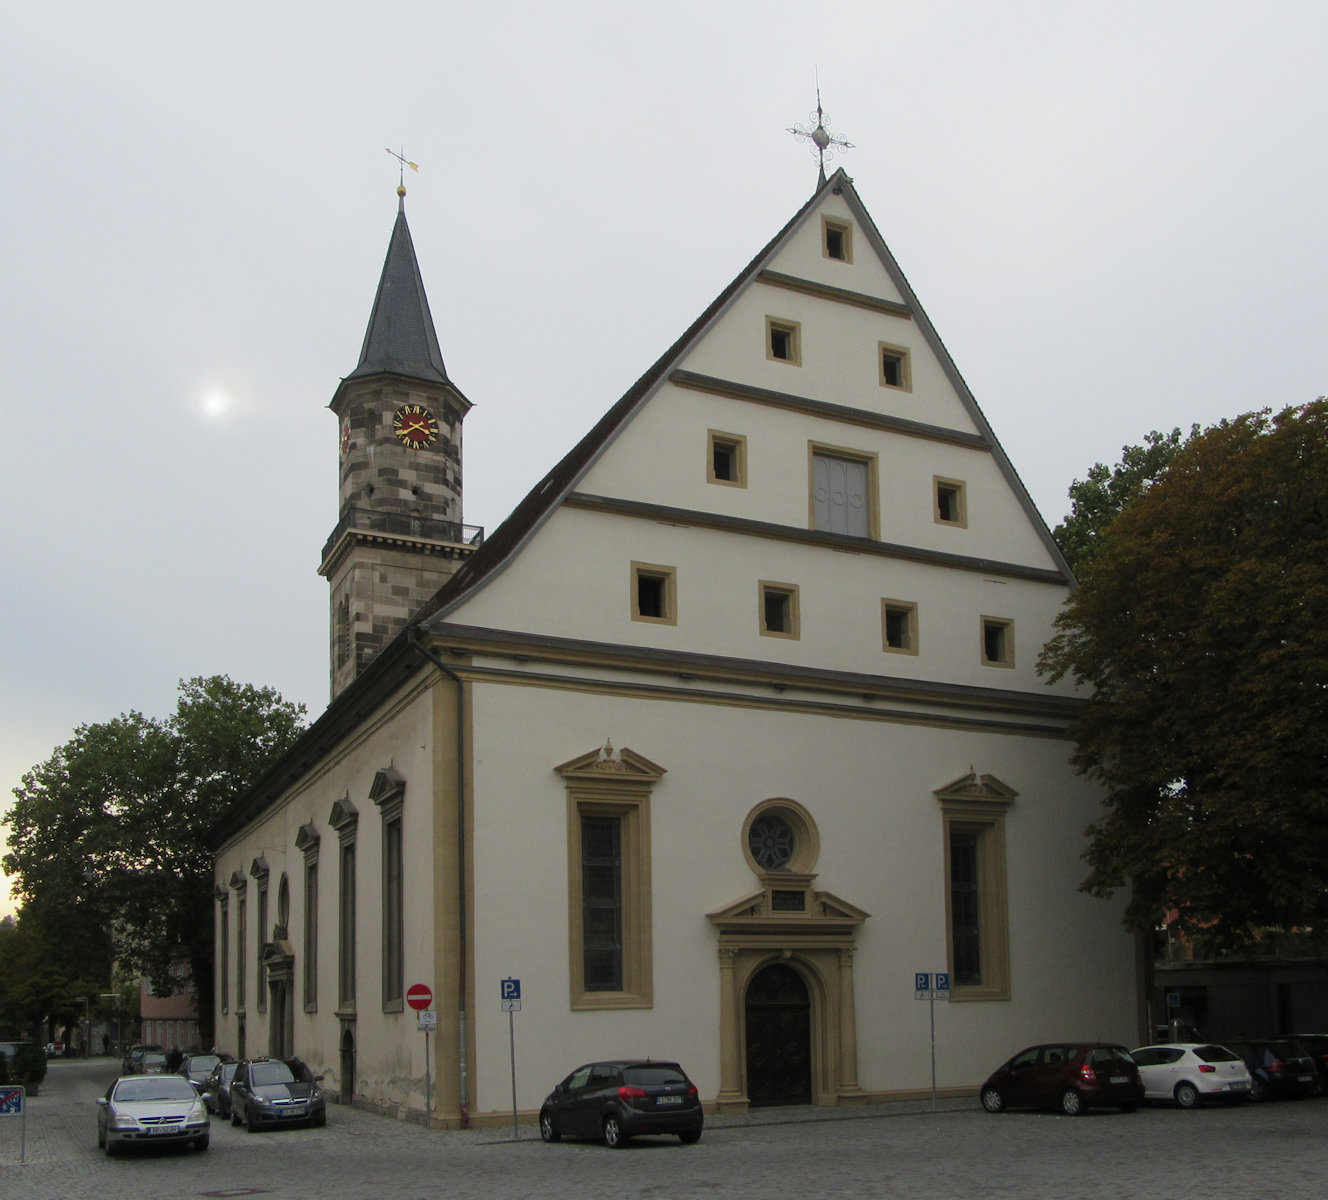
(730, 730)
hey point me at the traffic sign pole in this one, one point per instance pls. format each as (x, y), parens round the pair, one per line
(419, 996)
(509, 993)
(924, 989)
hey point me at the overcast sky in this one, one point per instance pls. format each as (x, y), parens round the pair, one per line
(1114, 213)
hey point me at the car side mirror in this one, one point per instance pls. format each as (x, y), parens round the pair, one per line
(318, 1079)
(102, 1101)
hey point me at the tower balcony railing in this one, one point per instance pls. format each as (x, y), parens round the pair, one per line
(405, 525)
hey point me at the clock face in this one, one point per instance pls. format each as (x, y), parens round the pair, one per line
(415, 426)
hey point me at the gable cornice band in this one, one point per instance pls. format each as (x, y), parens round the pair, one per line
(809, 537)
(840, 295)
(830, 412)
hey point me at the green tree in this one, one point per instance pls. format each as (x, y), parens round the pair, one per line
(1201, 627)
(1098, 500)
(107, 837)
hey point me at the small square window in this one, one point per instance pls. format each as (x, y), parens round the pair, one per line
(783, 341)
(837, 240)
(997, 642)
(654, 594)
(899, 626)
(950, 507)
(727, 459)
(893, 365)
(779, 610)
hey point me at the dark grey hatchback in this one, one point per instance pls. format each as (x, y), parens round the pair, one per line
(276, 1091)
(619, 1099)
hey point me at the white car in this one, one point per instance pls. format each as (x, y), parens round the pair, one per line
(1188, 1072)
(151, 1109)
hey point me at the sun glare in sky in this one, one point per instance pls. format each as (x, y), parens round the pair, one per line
(215, 404)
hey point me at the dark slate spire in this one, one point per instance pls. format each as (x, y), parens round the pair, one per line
(401, 339)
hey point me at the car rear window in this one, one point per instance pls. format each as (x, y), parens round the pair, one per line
(1211, 1054)
(655, 1075)
(1106, 1055)
(202, 1062)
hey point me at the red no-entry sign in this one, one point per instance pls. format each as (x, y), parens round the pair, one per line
(418, 995)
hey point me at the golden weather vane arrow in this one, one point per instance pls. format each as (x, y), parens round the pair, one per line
(403, 163)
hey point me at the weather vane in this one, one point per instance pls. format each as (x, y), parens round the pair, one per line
(402, 163)
(824, 144)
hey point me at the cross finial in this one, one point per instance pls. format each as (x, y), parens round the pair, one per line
(824, 144)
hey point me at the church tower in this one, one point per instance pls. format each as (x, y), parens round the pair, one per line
(399, 535)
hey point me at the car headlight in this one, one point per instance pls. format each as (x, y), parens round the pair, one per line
(123, 1121)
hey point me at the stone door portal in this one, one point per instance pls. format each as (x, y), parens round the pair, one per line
(779, 1056)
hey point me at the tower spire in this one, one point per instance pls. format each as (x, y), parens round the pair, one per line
(400, 338)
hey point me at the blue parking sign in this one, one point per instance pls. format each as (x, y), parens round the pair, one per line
(11, 1102)
(942, 981)
(922, 981)
(511, 989)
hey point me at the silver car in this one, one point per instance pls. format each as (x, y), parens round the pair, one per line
(151, 1110)
(1188, 1072)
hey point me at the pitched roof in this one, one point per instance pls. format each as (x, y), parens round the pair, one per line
(401, 339)
(546, 495)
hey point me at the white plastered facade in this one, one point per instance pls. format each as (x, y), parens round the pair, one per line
(532, 669)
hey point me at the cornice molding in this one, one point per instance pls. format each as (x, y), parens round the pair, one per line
(811, 537)
(830, 412)
(825, 291)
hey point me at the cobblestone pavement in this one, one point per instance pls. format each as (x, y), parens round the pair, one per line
(1272, 1152)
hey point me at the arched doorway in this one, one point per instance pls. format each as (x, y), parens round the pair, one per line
(779, 1039)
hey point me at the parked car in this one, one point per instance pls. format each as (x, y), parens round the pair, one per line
(197, 1067)
(276, 1091)
(619, 1099)
(153, 1062)
(1073, 1076)
(1279, 1067)
(1186, 1072)
(133, 1059)
(217, 1088)
(151, 1110)
(1317, 1046)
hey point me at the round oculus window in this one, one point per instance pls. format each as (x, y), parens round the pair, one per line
(771, 842)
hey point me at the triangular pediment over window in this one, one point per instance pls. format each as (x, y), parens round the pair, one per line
(822, 912)
(602, 763)
(977, 789)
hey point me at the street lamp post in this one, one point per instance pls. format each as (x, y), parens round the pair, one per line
(87, 1021)
(119, 1049)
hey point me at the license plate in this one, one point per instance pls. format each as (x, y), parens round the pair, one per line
(1120, 1079)
(1304, 1078)
(153, 1129)
(668, 1099)
(1240, 1086)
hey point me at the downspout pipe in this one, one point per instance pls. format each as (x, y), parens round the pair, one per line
(463, 914)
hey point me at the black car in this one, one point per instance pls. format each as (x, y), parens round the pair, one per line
(619, 1099)
(1316, 1044)
(1074, 1076)
(1279, 1067)
(276, 1091)
(217, 1088)
(197, 1067)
